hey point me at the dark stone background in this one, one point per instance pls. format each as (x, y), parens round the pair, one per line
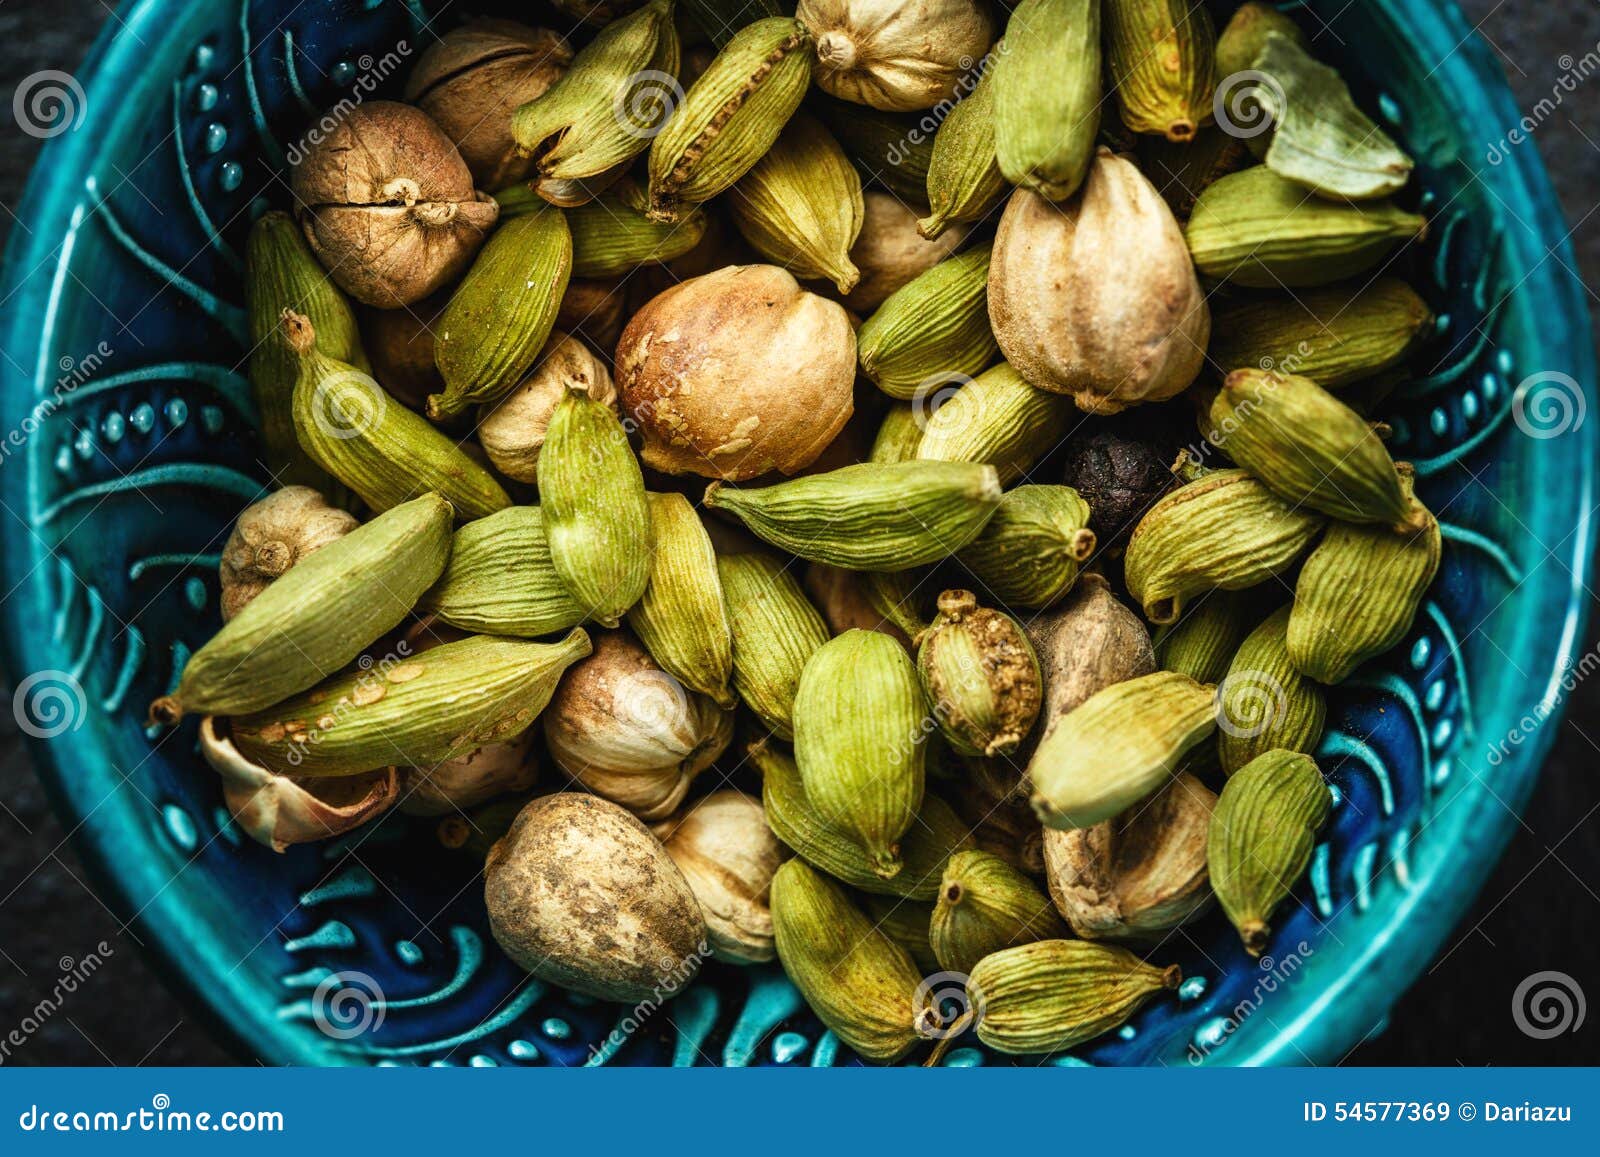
(1540, 909)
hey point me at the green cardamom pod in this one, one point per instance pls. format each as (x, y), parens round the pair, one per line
(681, 618)
(931, 332)
(906, 923)
(1053, 994)
(899, 434)
(980, 676)
(1118, 746)
(1245, 34)
(929, 842)
(501, 314)
(501, 580)
(384, 452)
(1263, 703)
(1202, 643)
(985, 906)
(775, 630)
(605, 109)
(1320, 138)
(611, 235)
(895, 596)
(597, 515)
(870, 516)
(800, 205)
(1358, 594)
(1334, 336)
(965, 183)
(1223, 530)
(316, 616)
(1030, 552)
(1262, 833)
(1047, 95)
(860, 983)
(731, 116)
(1310, 448)
(859, 739)
(1000, 419)
(1160, 55)
(1261, 231)
(282, 273)
(891, 149)
(418, 710)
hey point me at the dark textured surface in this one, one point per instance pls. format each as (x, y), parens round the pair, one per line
(1538, 911)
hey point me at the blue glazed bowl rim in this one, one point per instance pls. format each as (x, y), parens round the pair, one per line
(224, 998)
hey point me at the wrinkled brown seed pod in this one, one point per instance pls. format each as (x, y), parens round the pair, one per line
(1137, 876)
(893, 55)
(512, 431)
(723, 847)
(389, 206)
(890, 253)
(271, 536)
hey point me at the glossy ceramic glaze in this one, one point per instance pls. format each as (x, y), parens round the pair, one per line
(131, 448)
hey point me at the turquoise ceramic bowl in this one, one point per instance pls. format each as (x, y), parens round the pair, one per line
(130, 450)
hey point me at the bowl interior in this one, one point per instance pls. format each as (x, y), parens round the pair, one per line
(133, 448)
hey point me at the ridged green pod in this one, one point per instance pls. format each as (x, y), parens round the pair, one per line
(1030, 552)
(1000, 419)
(964, 179)
(985, 905)
(605, 109)
(897, 596)
(860, 983)
(681, 618)
(929, 842)
(1202, 643)
(980, 676)
(1118, 746)
(870, 516)
(1358, 594)
(1160, 55)
(1263, 702)
(417, 711)
(1310, 448)
(501, 314)
(775, 630)
(1333, 336)
(800, 205)
(1047, 95)
(1223, 530)
(1053, 994)
(1246, 34)
(860, 729)
(597, 515)
(731, 116)
(1262, 231)
(899, 434)
(932, 331)
(281, 273)
(500, 579)
(906, 923)
(384, 452)
(611, 235)
(317, 616)
(1263, 831)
